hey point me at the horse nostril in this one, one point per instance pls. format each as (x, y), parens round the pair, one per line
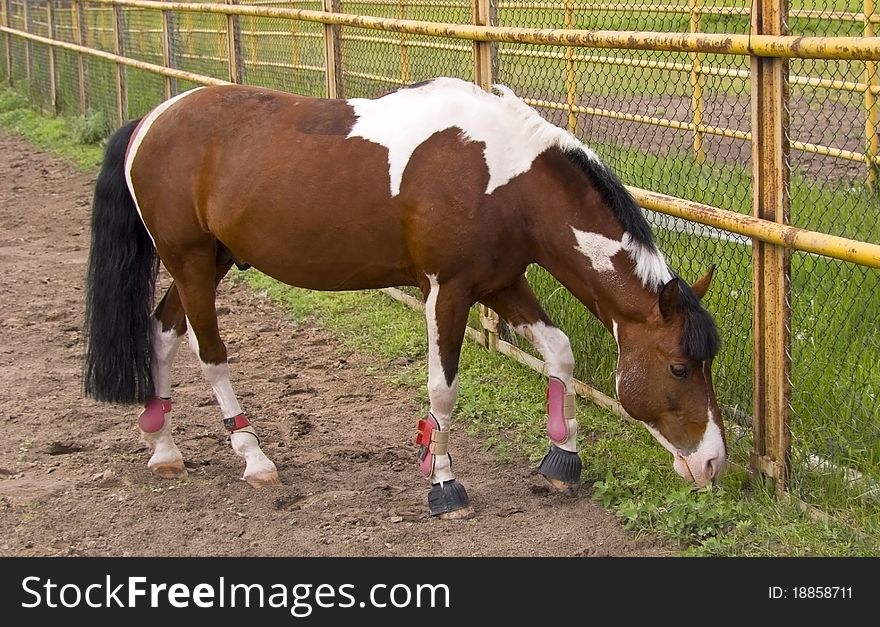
(713, 467)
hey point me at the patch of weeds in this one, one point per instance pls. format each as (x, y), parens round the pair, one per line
(694, 517)
(92, 128)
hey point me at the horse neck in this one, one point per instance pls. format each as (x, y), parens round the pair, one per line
(584, 246)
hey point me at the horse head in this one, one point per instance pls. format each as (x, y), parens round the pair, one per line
(664, 379)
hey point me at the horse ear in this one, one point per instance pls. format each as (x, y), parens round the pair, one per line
(702, 285)
(670, 299)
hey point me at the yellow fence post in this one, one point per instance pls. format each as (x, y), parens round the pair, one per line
(7, 12)
(697, 82)
(187, 28)
(484, 75)
(119, 48)
(872, 110)
(233, 46)
(570, 76)
(53, 60)
(405, 75)
(78, 19)
(28, 45)
(771, 263)
(169, 84)
(295, 55)
(332, 54)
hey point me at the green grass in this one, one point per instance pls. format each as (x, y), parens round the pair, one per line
(55, 134)
(502, 402)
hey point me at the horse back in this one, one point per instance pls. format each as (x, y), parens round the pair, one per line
(274, 178)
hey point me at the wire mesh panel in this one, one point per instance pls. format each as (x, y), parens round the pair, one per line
(835, 344)
(374, 62)
(283, 54)
(19, 49)
(68, 63)
(97, 30)
(199, 44)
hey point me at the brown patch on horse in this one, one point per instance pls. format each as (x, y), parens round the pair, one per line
(336, 118)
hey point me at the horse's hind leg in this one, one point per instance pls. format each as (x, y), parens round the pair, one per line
(196, 280)
(517, 304)
(169, 326)
(446, 312)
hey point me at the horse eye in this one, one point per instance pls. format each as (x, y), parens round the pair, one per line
(679, 371)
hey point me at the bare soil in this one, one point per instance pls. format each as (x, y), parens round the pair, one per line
(73, 475)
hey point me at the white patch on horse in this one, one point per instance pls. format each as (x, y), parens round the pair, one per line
(711, 456)
(442, 395)
(554, 347)
(650, 265)
(514, 134)
(161, 443)
(597, 248)
(218, 376)
(165, 345)
(669, 446)
(135, 143)
(616, 334)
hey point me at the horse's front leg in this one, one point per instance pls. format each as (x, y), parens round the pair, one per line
(446, 311)
(517, 304)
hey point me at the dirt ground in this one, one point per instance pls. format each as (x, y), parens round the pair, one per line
(73, 475)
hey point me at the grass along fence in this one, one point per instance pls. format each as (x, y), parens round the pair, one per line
(798, 375)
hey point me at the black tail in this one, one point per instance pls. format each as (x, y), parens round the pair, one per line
(120, 283)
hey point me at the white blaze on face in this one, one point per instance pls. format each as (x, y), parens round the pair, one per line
(710, 456)
(513, 133)
(709, 459)
(650, 265)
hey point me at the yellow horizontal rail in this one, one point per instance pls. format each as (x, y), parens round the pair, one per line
(843, 16)
(844, 48)
(432, 45)
(115, 58)
(862, 253)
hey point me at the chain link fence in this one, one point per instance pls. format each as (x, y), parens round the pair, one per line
(677, 123)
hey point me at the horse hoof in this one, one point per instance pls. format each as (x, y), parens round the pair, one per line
(561, 469)
(170, 470)
(264, 479)
(449, 500)
(568, 489)
(459, 514)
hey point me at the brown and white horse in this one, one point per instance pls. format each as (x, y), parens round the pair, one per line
(439, 185)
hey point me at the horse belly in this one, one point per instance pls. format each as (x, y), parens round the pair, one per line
(328, 238)
(328, 259)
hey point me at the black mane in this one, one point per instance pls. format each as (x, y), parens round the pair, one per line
(625, 208)
(699, 340)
